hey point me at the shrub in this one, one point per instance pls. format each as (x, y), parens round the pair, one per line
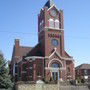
(73, 82)
(83, 80)
(78, 80)
(47, 80)
(51, 79)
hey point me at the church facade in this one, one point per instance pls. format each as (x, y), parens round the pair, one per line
(48, 59)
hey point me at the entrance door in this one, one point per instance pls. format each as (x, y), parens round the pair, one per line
(55, 75)
(55, 71)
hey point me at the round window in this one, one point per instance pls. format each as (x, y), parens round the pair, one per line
(54, 42)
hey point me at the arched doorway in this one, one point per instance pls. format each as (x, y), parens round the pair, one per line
(55, 71)
(55, 66)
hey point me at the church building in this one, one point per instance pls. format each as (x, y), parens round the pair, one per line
(48, 59)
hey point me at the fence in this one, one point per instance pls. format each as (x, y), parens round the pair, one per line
(49, 87)
(6, 89)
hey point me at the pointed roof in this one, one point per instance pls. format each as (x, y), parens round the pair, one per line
(49, 3)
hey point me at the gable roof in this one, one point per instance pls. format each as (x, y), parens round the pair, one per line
(55, 52)
(83, 66)
(67, 55)
(36, 51)
(23, 50)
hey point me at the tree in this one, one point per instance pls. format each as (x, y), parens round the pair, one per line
(5, 81)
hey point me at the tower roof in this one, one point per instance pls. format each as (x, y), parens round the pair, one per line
(49, 3)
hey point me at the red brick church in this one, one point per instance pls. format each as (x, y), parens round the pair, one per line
(48, 59)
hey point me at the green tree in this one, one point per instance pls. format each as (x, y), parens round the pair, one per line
(5, 81)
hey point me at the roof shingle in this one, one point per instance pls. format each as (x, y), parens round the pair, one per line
(83, 66)
(23, 50)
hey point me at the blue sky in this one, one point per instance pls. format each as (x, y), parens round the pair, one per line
(18, 19)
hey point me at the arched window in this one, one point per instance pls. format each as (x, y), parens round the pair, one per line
(68, 71)
(51, 23)
(38, 71)
(41, 25)
(55, 65)
(57, 24)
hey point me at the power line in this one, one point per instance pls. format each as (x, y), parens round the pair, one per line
(77, 37)
(17, 32)
(71, 37)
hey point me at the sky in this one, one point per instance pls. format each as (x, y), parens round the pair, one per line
(19, 19)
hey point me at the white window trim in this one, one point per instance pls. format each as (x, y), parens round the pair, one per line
(51, 23)
(50, 19)
(56, 20)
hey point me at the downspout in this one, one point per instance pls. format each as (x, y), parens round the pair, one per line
(43, 68)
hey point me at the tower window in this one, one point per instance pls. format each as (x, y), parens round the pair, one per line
(56, 24)
(54, 42)
(41, 25)
(51, 23)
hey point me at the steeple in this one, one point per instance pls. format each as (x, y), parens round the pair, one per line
(49, 3)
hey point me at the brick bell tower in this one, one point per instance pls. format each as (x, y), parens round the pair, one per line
(51, 28)
(51, 38)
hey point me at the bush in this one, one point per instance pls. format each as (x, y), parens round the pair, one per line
(51, 79)
(78, 80)
(83, 80)
(73, 82)
(47, 80)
